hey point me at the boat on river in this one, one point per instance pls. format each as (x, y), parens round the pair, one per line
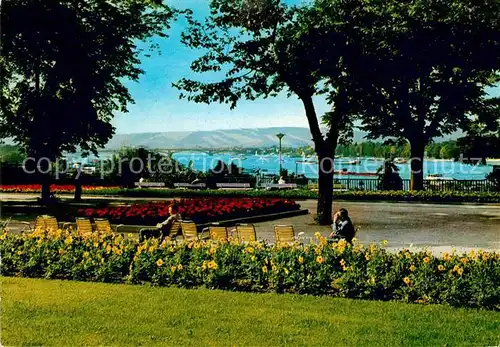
(438, 177)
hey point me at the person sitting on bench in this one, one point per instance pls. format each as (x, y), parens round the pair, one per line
(167, 224)
(342, 226)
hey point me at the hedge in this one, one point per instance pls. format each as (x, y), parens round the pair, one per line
(360, 195)
(317, 268)
(429, 196)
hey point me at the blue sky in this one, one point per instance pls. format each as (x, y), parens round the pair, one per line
(157, 106)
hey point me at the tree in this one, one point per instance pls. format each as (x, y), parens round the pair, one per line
(431, 63)
(389, 176)
(262, 48)
(62, 74)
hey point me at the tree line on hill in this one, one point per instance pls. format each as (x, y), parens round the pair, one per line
(413, 70)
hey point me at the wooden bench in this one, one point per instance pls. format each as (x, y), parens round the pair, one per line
(280, 186)
(190, 186)
(149, 184)
(233, 185)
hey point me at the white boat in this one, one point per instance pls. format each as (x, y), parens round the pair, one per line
(438, 177)
(400, 161)
(238, 157)
(353, 162)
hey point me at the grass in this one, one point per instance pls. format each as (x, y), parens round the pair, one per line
(43, 312)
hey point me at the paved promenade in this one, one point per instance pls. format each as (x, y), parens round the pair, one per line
(439, 226)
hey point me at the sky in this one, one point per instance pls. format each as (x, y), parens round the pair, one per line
(158, 108)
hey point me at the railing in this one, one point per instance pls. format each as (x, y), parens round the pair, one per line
(373, 184)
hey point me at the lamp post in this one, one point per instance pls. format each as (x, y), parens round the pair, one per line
(280, 136)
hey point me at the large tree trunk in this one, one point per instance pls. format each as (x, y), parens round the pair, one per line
(78, 190)
(43, 168)
(325, 149)
(325, 190)
(417, 164)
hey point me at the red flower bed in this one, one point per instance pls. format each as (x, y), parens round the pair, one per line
(37, 188)
(199, 210)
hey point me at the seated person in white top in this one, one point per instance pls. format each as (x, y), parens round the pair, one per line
(167, 224)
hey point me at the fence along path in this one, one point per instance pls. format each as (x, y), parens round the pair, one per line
(374, 184)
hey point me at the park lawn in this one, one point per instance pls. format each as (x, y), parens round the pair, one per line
(43, 312)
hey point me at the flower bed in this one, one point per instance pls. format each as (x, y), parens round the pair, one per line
(37, 188)
(420, 196)
(336, 269)
(199, 210)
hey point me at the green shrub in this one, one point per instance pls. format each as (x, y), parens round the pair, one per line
(319, 268)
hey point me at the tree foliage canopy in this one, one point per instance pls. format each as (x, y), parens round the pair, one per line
(63, 67)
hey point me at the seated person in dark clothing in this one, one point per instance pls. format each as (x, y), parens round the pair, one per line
(342, 226)
(167, 224)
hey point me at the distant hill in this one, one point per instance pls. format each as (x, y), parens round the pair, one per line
(251, 137)
(244, 138)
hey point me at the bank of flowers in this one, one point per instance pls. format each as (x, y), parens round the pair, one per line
(320, 268)
(199, 210)
(56, 188)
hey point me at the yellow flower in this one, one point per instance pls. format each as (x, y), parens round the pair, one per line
(301, 260)
(455, 268)
(460, 271)
(204, 265)
(179, 267)
(407, 280)
(440, 267)
(85, 254)
(197, 245)
(384, 242)
(252, 258)
(317, 235)
(342, 262)
(446, 257)
(68, 240)
(212, 250)
(286, 271)
(485, 256)
(159, 262)
(119, 251)
(173, 268)
(264, 269)
(135, 258)
(427, 260)
(250, 250)
(212, 265)
(108, 248)
(129, 235)
(152, 249)
(412, 268)
(274, 268)
(320, 259)
(61, 251)
(367, 256)
(464, 260)
(4, 235)
(96, 244)
(19, 252)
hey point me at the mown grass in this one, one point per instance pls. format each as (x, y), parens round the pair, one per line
(43, 312)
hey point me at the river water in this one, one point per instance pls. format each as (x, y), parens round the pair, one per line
(269, 164)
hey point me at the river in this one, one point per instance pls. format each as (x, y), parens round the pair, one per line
(269, 164)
